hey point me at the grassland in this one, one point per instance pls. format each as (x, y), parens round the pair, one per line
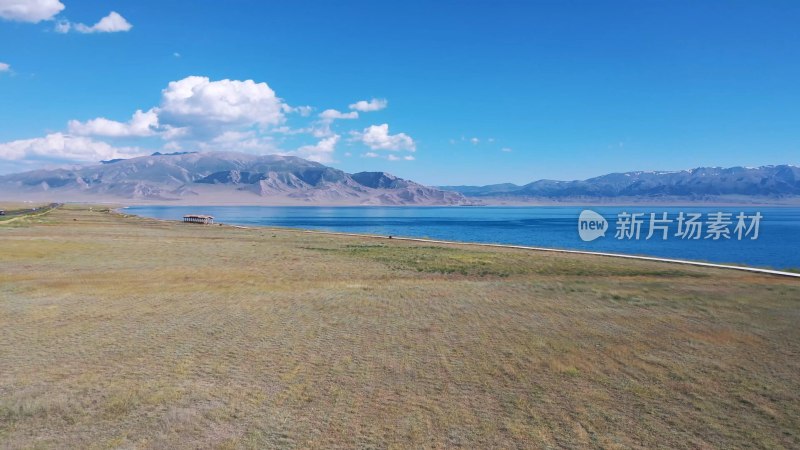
(123, 332)
(16, 211)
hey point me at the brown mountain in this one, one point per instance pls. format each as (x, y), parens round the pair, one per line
(220, 178)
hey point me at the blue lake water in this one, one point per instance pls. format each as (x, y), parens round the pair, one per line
(777, 245)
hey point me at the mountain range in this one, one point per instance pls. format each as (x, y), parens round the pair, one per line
(766, 184)
(220, 178)
(243, 179)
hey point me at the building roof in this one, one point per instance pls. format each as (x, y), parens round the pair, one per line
(197, 216)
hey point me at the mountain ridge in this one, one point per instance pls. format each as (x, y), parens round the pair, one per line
(242, 178)
(772, 183)
(221, 177)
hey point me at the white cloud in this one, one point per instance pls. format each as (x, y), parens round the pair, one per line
(197, 113)
(176, 54)
(376, 104)
(33, 11)
(474, 141)
(204, 115)
(332, 114)
(112, 23)
(233, 136)
(322, 128)
(173, 146)
(237, 141)
(169, 132)
(304, 111)
(62, 26)
(321, 152)
(377, 137)
(289, 131)
(4, 67)
(391, 157)
(59, 146)
(506, 149)
(141, 124)
(199, 102)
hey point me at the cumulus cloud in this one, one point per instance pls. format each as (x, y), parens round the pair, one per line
(198, 101)
(197, 113)
(169, 132)
(112, 23)
(320, 130)
(62, 26)
(506, 149)
(376, 104)
(233, 136)
(377, 137)
(332, 114)
(391, 157)
(304, 111)
(322, 127)
(238, 141)
(141, 124)
(32, 11)
(173, 146)
(203, 114)
(35, 11)
(4, 67)
(321, 152)
(59, 146)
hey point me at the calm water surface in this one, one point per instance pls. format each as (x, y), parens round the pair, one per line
(777, 246)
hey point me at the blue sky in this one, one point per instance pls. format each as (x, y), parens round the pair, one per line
(461, 92)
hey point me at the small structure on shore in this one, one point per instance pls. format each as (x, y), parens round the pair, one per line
(195, 218)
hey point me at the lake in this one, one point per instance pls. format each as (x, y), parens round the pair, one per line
(776, 246)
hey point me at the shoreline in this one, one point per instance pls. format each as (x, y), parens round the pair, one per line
(477, 203)
(503, 204)
(557, 250)
(512, 246)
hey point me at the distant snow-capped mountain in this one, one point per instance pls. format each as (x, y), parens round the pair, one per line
(766, 183)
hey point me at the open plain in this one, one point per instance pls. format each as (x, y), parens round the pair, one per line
(123, 332)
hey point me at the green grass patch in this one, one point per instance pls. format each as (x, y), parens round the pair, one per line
(490, 263)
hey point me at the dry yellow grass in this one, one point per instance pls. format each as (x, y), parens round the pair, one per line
(122, 332)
